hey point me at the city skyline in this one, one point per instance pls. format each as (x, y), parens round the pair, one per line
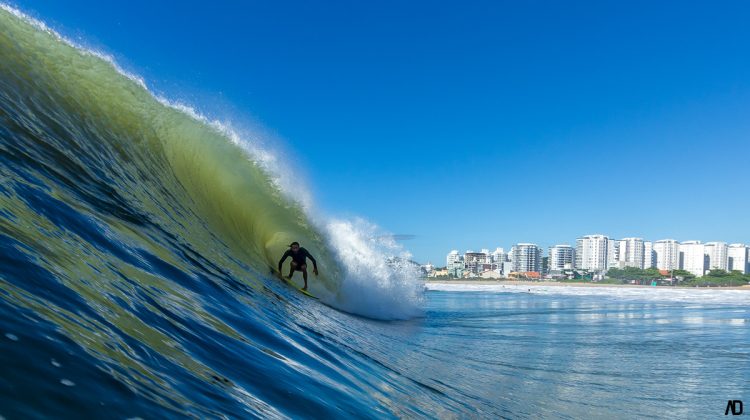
(548, 244)
(600, 253)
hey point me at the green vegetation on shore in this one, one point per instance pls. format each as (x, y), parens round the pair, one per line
(631, 275)
(682, 277)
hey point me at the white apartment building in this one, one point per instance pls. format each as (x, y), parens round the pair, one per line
(527, 257)
(613, 254)
(454, 260)
(737, 255)
(631, 252)
(649, 260)
(499, 256)
(591, 252)
(667, 254)
(717, 255)
(693, 257)
(561, 257)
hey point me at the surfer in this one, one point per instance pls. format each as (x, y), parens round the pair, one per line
(299, 263)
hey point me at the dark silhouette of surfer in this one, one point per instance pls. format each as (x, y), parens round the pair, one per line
(299, 263)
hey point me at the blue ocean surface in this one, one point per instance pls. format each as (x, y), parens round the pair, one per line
(564, 352)
(521, 353)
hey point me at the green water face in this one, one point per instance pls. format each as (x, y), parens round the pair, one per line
(180, 172)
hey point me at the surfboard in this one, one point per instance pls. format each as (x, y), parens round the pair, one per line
(290, 283)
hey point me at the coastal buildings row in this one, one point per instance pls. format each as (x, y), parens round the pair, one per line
(599, 253)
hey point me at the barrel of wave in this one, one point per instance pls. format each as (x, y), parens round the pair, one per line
(213, 175)
(239, 199)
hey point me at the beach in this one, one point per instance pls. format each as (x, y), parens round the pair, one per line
(576, 284)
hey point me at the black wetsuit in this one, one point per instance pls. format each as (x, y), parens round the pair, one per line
(298, 257)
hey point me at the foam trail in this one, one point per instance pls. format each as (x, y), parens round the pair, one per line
(645, 293)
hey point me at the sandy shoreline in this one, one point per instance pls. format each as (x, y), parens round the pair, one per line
(559, 284)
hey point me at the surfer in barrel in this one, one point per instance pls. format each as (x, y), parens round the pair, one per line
(299, 263)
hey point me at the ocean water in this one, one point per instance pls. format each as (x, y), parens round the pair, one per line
(570, 352)
(475, 354)
(136, 241)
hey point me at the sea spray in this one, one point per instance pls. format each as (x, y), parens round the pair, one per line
(379, 279)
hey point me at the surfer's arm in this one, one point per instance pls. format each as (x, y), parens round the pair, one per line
(283, 258)
(315, 264)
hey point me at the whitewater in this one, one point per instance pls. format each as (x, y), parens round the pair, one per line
(136, 242)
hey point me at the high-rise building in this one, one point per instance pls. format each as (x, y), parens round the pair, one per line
(613, 253)
(526, 258)
(667, 252)
(649, 260)
(717, 255)
(693, 257)
(591, 252)
(499, 256)
(738, 258)
(476, 262)
(631, 252)
(454, 260)
(455, 264)
(561, 257)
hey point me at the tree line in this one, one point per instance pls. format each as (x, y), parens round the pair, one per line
(682, 277)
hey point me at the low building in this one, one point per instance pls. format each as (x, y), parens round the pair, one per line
(525, 275)
(490, 274)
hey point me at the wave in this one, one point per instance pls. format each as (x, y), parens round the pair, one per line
(142, 232)
(175, 167)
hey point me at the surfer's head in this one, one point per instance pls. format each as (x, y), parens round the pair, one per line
(294, 246)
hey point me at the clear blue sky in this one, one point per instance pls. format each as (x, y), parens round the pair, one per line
(469, 124)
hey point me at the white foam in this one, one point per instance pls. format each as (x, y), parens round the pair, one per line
(656, 294)
(378, 279)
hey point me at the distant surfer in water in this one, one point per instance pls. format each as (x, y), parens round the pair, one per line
(299, 255)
